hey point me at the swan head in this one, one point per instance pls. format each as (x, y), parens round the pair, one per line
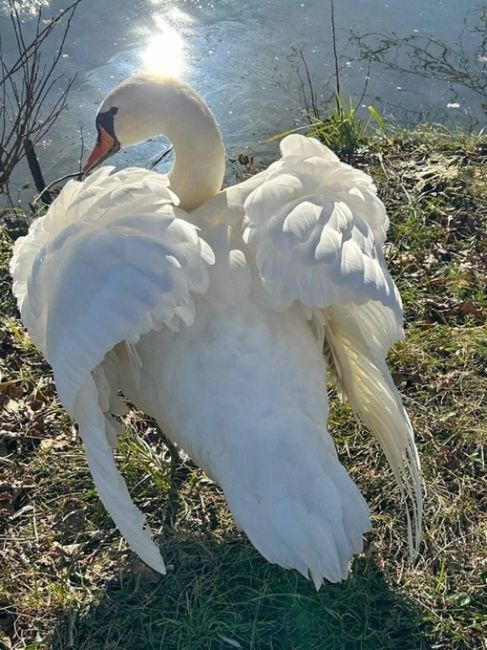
(144, 106)
(129, 114)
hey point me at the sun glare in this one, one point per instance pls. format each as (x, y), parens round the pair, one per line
(165, 52)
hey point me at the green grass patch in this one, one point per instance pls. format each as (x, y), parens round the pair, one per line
(344, 129)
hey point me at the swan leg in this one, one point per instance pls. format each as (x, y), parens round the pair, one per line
(174, 455)
(178, 474)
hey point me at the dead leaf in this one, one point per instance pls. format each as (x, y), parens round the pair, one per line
(13, 406)
(69, 550)
(5, 385)
(73, 515)
(47, 444)
(142, 572)
(468, 308)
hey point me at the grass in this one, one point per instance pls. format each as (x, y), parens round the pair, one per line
(343, 128)
(67, 581)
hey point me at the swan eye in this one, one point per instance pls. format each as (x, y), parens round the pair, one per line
(105, 121)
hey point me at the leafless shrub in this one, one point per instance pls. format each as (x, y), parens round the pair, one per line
(29, 100)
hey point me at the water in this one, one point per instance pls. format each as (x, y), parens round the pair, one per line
(242, 56)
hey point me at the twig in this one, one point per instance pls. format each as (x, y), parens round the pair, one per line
(37, 198)
(314, 105)
(160, 158)
(366, 85)
(335, 56)
(82, 151)
(35, 170)
(429, 58)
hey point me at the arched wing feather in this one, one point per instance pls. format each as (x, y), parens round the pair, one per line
(112, 259)
(316, 226)
(111, 487)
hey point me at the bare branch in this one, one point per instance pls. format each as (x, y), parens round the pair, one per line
(29, 107)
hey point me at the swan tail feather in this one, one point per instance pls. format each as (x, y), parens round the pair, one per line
(364, 378)
(301, 513)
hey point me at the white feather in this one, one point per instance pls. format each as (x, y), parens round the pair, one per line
(109, 483)
(359, 337)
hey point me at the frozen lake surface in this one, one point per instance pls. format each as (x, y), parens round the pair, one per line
(243, 55)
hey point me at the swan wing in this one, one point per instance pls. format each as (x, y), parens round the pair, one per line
(112, 259)
(315, 226)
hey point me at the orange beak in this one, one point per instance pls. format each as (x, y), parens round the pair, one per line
(105, 146)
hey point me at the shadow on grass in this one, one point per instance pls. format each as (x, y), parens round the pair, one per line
(224, 595)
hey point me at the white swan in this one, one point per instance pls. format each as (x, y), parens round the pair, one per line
(210, 310)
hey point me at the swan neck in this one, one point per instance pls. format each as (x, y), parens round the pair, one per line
(149, 105)
(199, 167)
(199, 154)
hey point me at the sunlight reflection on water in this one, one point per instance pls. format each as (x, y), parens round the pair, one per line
(244, 58)
(165, 52)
